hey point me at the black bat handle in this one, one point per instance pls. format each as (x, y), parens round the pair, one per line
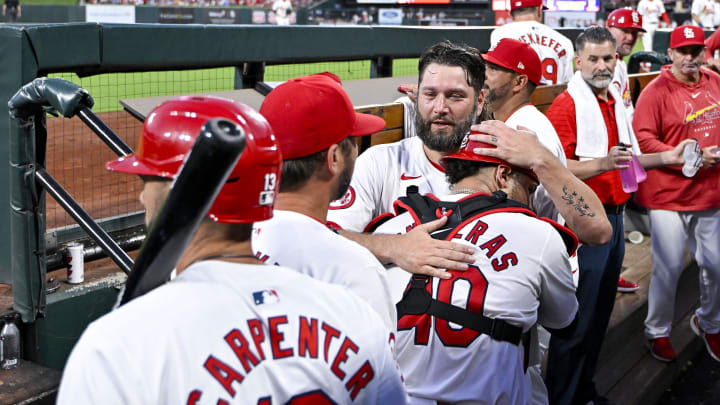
(202, 176)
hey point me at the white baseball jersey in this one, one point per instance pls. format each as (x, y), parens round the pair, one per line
(705, 10)
(302, 243)
(521, 275)
(530, 117)
(234, 333)
(651, 11)
(282, 10)
(621, 81)
(555, 50)
(382, 175)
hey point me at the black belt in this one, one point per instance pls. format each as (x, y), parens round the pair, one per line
(614, 209)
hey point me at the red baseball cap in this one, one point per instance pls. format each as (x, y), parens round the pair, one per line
(516, 4)
(516, 56)
(466, 153)
(310, 113)
(685, 35)
(625, 18)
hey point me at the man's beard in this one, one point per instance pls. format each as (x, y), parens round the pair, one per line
(444, 142)
(493, 95)
(599, 80)
(343, 181)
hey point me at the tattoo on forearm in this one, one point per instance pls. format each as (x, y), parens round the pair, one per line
(578, 202)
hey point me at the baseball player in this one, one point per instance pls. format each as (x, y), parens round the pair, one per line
(512, 72)
(684, 212)
(651, 12)
(282, 9)
(624, 24)
(554, 49)
(315, 124)
(12, 9)
(521, 275)
(229, 329)
(450, 83)
(703, 13)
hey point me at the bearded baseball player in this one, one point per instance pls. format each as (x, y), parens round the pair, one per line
(229, 329)
(315, 124)
(554, 49)
(475, 322)
(680, 104)
(450, 94)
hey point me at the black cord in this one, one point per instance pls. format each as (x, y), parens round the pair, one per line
(226, 256)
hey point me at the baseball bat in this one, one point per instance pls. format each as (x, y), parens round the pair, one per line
(202, 176)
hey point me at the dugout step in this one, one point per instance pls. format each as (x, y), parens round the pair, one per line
(626, 372)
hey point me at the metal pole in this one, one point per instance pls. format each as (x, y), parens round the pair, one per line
(107, 135)
(83, 219)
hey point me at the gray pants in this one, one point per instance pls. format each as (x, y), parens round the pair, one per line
(672, 232)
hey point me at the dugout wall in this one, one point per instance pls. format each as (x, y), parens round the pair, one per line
(29, 223)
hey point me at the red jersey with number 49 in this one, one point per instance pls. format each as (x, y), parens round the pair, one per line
(554, 49)
(521, 275)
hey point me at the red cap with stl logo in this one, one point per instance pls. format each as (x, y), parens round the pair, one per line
(516, 56)
(686, 35)
(625, 18)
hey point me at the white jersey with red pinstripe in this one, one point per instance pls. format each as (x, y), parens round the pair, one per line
(382, 175)
(555, 50)
(521, 275)
(226, 333)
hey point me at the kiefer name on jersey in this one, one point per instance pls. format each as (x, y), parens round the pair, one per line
(315, 338)
(550, 43)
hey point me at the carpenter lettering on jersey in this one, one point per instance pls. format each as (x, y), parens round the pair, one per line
(550, 43)
(252, 348)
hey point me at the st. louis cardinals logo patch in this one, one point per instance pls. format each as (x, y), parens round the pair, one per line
(347, 200)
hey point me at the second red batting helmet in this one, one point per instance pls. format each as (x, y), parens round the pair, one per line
(625, 18)
(169, 133)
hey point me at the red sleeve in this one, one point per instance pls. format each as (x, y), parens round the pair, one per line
(562, 116)
(666, 19)
(711, 44)
(647, 120)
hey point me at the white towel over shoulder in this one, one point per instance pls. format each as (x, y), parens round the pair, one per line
(592, 136)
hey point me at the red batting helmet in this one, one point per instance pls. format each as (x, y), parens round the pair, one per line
(169, 132)
(625, 18)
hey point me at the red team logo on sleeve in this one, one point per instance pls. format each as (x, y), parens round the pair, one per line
(347, 200)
